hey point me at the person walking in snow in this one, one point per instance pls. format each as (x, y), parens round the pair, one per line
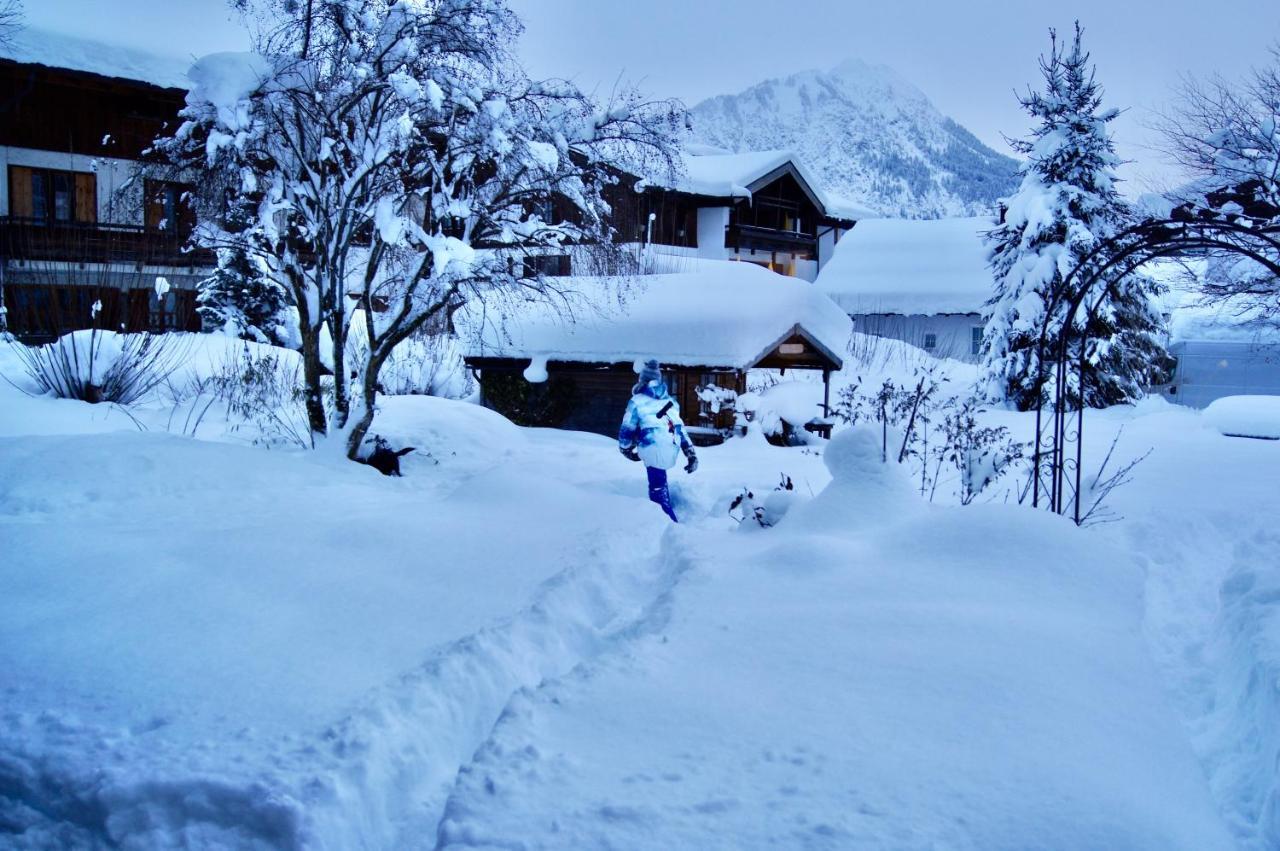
(653, 433)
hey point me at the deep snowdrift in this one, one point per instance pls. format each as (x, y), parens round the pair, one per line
(207, 644)
(213, 644)
(872, 673)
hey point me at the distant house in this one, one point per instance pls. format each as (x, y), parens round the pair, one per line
(923, 282)
(80, 221)
(573, 365)
(760, 207)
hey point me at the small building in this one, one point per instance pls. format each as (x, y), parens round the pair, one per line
(923, 282)
(572, 365)
(1223, 348)
(82, 222)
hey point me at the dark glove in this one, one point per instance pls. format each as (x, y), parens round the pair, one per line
(629, 452)
(693, 459)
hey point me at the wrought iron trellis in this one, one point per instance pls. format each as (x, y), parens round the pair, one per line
(1064, 345)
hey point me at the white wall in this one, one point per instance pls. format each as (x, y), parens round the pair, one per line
(712, 222)
(827, 239)
(953, 332)
(1209, 370)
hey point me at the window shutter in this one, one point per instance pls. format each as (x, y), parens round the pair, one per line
(20, 205)
(86, 197)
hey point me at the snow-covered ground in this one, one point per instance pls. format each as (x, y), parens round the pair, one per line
(207, 643)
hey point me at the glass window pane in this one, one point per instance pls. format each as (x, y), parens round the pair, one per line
(63, 197)
(39, 195)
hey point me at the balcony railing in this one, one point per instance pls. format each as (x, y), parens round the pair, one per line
(746, 237)
(91, 242)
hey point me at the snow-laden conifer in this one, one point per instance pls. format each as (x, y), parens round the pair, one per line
(1066, 206)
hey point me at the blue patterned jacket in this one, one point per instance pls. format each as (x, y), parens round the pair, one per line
(652, 426)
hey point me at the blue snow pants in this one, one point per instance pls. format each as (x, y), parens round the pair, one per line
(658, 491)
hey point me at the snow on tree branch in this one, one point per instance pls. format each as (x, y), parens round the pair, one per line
(386, 162)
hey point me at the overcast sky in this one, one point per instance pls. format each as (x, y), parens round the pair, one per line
(968, 57)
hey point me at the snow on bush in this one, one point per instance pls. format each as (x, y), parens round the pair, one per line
(788, 403)
(102, 366)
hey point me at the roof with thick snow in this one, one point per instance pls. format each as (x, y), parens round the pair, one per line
(910, 267)
(35, 46)
(722, 174)
(720, 314)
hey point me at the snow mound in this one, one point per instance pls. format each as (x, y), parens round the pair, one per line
(864, 491)
(1245, 416)
(853, 457)
(452, 433)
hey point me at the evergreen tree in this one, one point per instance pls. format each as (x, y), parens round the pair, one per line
(237, 299)
(1066, 205)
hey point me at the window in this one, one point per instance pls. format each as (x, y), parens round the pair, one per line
(48, 196)
(168, 209)
(164, 311)
(975, 347)
(547, 266)
(544, 209)
(930, 342)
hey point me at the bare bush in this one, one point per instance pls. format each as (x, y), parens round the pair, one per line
(264, 394)
(938, 436)
(103, 366)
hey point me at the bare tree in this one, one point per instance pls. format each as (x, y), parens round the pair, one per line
(1226, 136)
(390, 162)
(10, 20)
(1226, 132)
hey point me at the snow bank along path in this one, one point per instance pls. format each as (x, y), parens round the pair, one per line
(207, 645)
(1200, 517)
(874, 673)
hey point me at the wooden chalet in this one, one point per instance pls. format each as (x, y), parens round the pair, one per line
(80, 222)
(758, 207)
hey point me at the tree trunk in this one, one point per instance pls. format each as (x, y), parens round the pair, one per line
(313, 389)
(368, 399)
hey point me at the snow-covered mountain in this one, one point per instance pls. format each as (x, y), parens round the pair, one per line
(869, 135)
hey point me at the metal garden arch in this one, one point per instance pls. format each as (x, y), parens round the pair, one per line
(1064, 344)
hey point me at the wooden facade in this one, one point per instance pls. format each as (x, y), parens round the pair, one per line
(39, 313)
(675, 213)
(58, 258)
(74, 112)
(591, 396)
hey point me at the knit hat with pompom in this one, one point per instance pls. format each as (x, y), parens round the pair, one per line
(651, 372)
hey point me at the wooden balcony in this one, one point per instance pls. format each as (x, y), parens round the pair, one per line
(80, 242)
(748, 237)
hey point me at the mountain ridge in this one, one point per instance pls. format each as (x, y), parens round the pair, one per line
(873, 138)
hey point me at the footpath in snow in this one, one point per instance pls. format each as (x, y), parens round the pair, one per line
(212, 645)
(872, 672)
